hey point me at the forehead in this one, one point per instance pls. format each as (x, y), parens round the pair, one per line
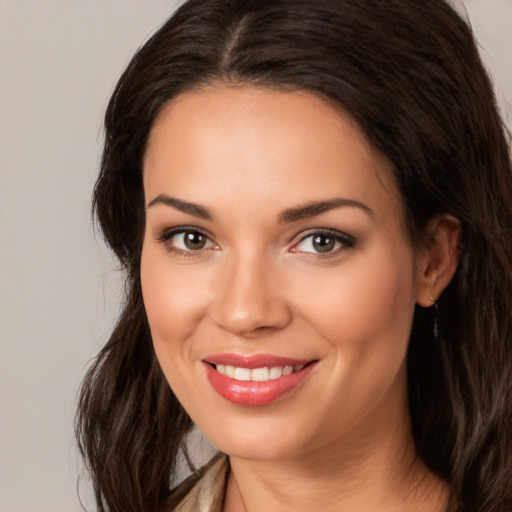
(222, 143)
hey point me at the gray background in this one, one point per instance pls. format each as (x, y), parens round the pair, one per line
(59, 291)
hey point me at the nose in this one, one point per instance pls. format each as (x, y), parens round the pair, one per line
(249, 301)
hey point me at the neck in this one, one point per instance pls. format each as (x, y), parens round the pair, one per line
(375, 468)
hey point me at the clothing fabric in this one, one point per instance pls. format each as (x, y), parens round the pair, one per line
(203, 491)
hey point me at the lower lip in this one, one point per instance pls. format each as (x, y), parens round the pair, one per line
(255, 394)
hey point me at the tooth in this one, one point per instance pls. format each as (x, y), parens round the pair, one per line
(257, 374)
(276, 372)
(242, 374)
(260, 374)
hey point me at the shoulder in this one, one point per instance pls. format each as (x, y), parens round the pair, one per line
(202, 491)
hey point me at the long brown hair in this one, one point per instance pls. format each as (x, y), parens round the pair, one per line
(408, 71)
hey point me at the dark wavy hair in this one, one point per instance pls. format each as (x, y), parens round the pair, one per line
(409, 73)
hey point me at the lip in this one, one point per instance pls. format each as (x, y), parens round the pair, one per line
(251, 393)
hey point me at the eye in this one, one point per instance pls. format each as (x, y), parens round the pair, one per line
(323, 242)
(186, 240)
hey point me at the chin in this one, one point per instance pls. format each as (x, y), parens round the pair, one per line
(258, 450)
(260, 440)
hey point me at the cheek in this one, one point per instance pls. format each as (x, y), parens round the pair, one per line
(363, 314)
(174, 302)
(174, 305)
(359, 306)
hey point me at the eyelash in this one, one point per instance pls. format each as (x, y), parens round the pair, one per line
(344, 240)
(166, 236)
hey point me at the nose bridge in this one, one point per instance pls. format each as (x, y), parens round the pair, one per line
(248, 301)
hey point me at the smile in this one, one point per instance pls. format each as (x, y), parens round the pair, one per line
(257, 374)
(256, 380)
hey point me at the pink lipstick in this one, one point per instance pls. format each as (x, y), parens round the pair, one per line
(255, 380)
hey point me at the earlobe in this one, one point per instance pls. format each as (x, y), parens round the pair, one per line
(438, 259)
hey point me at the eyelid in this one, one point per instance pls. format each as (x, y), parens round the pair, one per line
(166, 233)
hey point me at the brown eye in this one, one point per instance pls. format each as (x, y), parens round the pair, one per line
(323, 243)
(194, 241)
(186, 241)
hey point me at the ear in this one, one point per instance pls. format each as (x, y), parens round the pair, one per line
(437, 260)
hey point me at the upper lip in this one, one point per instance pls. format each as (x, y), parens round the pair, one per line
(254, 360)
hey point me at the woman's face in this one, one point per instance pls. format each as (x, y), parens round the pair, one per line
(277, 278)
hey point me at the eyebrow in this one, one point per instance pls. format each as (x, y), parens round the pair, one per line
(294, 214)
(183, 206)
(318, 207)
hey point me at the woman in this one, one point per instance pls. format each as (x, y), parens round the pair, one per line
(313, 204)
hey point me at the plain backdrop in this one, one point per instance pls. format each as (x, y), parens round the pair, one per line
(59, 290)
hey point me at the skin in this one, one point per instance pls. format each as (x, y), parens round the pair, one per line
(260, 286)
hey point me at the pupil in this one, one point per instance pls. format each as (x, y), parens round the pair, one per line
(194, 241)
(323, 243)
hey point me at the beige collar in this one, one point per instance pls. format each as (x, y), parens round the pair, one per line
(203, 491)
